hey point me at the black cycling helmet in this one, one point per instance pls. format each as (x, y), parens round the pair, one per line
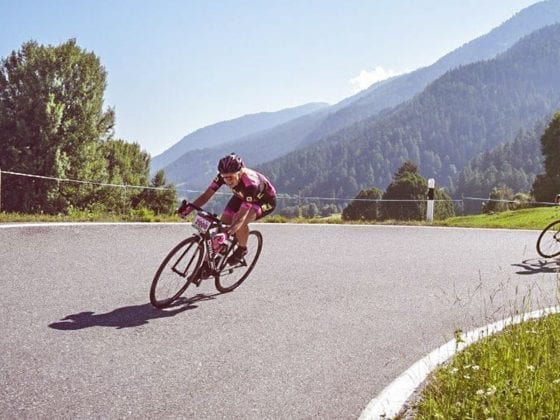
(230, 164)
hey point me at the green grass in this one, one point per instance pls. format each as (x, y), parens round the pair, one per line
(535, 218)
(511, 375)
(141, 215)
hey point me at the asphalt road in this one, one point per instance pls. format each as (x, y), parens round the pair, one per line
(329, 317)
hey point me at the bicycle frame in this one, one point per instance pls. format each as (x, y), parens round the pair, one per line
(208, 225)
(200, 257)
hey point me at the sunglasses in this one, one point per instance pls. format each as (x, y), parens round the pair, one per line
(229, 177)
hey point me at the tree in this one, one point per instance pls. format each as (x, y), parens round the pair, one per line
(328, 210)
(290, 212)
(500, 199)
(364, 206)
(310, 211)
(443, 206)
(547, 185)
(409, 190)
(51, 123)
(125, 164)
(162, 200)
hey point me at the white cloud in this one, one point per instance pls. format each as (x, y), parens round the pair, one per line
(366, 78)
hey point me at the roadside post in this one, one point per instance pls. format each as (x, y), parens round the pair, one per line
(430, 206)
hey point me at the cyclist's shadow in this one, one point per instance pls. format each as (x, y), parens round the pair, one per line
(128, 316)
(537, 265)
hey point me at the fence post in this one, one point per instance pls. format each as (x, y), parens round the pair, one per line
(430, 206)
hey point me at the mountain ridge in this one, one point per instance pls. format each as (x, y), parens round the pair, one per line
(466, 111)
(325, 123)
(391, 92)
(227, 131)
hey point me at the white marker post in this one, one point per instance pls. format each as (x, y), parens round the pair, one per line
(430, 207)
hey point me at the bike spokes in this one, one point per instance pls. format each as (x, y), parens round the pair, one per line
(548, 244)
(231, 276)
(176, 273)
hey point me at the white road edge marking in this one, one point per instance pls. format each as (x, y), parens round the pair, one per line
(392, 399)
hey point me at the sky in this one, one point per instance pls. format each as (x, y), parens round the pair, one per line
(174, 66)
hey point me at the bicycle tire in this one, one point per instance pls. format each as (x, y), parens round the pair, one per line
(176, 279)
(548, 244)
(229, 277)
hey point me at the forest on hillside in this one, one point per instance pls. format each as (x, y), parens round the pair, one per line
(467, 111)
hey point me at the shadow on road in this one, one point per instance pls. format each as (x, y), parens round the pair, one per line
(538, 266)
(129, 316)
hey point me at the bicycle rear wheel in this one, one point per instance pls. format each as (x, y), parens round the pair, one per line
(231, 277)
(176, 272)
(548, 244)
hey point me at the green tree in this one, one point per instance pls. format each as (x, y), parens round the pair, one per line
(328, 210)
(162, 200)
(363, 207)
(443, 205)
(547, 185)
(409, 190)
(125, 164)
(290, 212)
(500, 199)
(310, 211)
(51, 122)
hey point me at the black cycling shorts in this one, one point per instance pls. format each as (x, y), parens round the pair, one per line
(262, 208)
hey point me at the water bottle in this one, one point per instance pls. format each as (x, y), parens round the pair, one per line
(218, 242)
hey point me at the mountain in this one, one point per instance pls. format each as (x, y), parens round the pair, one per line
(391, 92)
(463, 113)
(227, 131)
(182, 164)
(194, 167)
(198, 167)
(514, 164)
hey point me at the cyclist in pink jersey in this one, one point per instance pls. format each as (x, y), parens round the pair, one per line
(253, 198)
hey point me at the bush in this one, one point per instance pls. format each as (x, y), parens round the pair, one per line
(361, 209)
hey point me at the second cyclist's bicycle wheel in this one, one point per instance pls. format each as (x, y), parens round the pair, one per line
(548, 244)
(176, 272)
(232, 276)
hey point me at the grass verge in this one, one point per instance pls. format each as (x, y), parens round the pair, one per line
(535, 218)
(514, 374)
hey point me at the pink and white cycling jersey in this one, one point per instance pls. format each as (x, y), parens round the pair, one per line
(253, 187)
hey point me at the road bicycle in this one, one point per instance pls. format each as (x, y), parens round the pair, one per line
(548, 244)
(202, 256)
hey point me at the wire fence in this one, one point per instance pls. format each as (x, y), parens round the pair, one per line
(295, 199)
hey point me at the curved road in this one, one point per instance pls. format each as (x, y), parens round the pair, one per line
(329, 317)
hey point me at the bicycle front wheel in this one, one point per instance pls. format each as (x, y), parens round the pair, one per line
(176, 272)
(548, 244)
(231, 276)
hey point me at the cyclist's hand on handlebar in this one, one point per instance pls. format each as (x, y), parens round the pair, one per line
(184, 209)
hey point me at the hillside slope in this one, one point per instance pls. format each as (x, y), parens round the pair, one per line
(227, 131)
(465, 112)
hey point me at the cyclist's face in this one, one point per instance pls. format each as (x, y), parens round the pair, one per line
(232, 179)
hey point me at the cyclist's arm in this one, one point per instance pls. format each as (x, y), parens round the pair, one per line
(204, 197)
